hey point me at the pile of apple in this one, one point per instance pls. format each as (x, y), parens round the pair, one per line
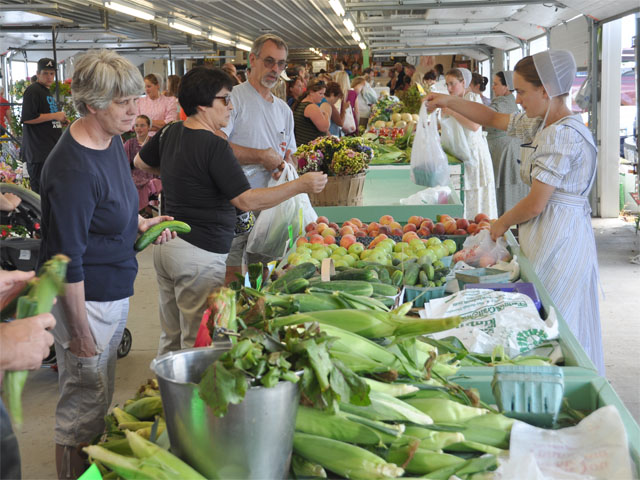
(324, 231)
(381, 250)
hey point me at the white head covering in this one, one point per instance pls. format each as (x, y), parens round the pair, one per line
(556, 69)
(508, 78)
(466, 76)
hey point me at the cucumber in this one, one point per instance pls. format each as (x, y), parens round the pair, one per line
(304, 270)
(354, 287)
(364, 274)
(429, 270)
(148, 237)
(396, 278)
(383, 289)
(317, 302)
(383, 275)
(424, 280)
(411, 274)
(385, 300)
(296, 285)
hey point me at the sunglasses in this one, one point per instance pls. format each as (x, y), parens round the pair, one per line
(269, 62)
(226, 98)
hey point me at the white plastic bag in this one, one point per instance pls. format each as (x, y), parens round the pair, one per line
(429, 166)
(454, 140)
(349, 124)
(595, 449)
(492, 319)
(480, 251)
(428, 196)
(271, 230)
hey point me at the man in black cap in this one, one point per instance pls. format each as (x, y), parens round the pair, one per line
(42, 120)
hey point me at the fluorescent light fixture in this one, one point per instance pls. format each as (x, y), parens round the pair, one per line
(337, 7)
(362, 46)
(134, 12)
(217, 39)
(244, 47)
(356, 36)
(349, 24)
(184, 28)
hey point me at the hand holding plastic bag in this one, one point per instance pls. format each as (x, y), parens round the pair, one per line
(429, 166)
(454, 140)
(271, 229)
(480, 251)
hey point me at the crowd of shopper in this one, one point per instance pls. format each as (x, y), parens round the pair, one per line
(214, 168)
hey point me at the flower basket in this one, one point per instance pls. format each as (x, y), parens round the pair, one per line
(344, 190)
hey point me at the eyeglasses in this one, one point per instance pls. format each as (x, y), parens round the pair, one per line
(269, 62)
(226, 98)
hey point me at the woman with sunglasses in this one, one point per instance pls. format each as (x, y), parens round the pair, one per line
(558, 161)
(310, 121)
(203, 184)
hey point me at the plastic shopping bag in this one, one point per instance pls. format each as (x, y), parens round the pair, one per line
(428, 196)
(429, 166)
(349, 124)
(454, 140)
(480, 251)
(271, 230)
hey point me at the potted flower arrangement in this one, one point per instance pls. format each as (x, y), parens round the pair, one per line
(344, 160)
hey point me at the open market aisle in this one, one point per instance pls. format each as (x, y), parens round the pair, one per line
(617, 243)
(620, 280)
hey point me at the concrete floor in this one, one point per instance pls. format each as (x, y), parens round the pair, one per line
(616, 241)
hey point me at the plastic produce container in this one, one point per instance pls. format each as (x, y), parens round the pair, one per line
(421, 295)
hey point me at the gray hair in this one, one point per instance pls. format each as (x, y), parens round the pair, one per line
(262, 39)
(100, 76)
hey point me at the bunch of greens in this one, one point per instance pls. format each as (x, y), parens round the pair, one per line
(295, 355)
(349, 162)
(384, 108)
(334, 156)
(412, 100)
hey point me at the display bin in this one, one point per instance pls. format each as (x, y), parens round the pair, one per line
(586, 392)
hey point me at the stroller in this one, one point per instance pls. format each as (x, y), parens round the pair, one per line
(19, 253)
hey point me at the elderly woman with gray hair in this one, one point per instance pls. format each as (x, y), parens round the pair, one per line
(90, 213)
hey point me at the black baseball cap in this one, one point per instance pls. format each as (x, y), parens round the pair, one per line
(46, 64)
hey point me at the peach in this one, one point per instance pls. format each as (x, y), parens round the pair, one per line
(385, 230)
(386, 219)
(409, 227)
(462, 223)
(301, 240)
(416, 220)
(423, 232)
(472, 228)
(347, 240)
(321, 226)
(360, 234)
(438, 229)
(316, 239)
(407, 237)
(397, 232)
(312, 232)
(460, 231)
(357, 222)
(335, 226)
(443, 217)
(394, 225)
(427, 222)
(373, 226)
(347, 223)
(377, 240)
(449, 227)
(346, 231)
(311, 226)
(323, 219)
(329, 239)
(328, 232)
(480, 217)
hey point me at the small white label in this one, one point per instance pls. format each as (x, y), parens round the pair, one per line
(25, 255)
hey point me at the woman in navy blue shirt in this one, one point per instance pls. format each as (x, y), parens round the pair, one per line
(90, 213)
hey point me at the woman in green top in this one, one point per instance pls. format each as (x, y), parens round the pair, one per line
(505, 150)
(310, 122)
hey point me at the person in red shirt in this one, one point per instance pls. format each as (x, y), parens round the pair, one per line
(5, 112)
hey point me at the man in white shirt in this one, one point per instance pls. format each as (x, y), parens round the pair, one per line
(260, 130)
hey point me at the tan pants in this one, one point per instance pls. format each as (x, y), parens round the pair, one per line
(186, 275)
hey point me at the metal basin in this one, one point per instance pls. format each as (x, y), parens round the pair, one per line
(252, 441)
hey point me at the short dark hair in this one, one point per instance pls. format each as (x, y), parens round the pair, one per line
(333, 88)
(439, 69)
(430, 75)
(145, 118)
(477, 79)
(199, 86)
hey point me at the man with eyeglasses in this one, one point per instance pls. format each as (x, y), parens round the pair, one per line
(260, 130)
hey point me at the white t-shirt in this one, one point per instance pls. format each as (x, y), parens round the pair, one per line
(257, 123)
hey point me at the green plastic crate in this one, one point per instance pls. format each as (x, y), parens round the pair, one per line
(584, 392)
(421, 295)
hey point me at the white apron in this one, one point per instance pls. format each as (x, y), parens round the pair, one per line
(561, 246)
